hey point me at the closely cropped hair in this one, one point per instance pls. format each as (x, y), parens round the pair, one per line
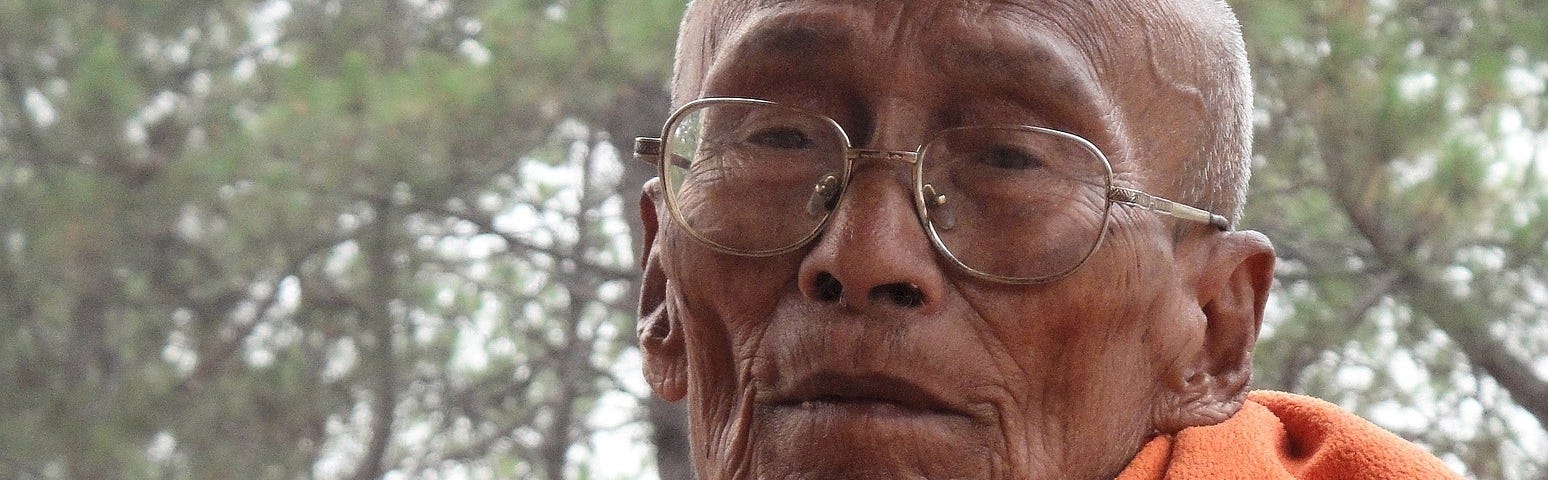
(704, 25)
(1220, 183)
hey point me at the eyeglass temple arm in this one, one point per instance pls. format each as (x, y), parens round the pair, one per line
(1129, 196)
(648, 150)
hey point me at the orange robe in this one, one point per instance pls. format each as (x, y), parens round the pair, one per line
(1280, 436)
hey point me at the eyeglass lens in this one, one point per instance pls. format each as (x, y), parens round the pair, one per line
(1013, 202)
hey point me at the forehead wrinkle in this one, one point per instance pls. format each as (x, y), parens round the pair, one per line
(778, 49)
(784, 36)
(1083, 59)
(1028, 62)
(1040, 54)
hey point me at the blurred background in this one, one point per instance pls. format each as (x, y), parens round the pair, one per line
(353, 240)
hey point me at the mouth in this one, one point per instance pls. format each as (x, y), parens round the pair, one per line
(875, 395)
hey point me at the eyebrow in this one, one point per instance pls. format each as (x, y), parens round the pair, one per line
(805, 39)
(1036, 63)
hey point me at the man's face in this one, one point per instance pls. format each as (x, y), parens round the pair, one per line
(867, 354)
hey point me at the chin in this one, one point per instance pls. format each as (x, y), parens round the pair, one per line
(866, 439)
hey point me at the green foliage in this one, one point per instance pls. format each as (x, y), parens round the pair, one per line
(1396, 209)
(229, 254)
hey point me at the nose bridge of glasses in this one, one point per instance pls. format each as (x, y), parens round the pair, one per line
(826, 192)
(931, 198)
(861, 154)
(868, 172)
(858, 157)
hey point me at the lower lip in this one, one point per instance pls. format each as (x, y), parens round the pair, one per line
(868, 410)
(850, 422)
(873, 408)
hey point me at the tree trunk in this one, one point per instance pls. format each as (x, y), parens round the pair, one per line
(378, 248)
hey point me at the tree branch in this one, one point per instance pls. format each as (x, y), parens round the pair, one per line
(375, 312)
(520, 246)
(1465, 324)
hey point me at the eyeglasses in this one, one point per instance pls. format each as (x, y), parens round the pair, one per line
(1015, 204)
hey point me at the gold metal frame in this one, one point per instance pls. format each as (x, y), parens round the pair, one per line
(649, 150)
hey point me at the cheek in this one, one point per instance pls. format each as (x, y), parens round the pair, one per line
(1069, 343)
(724, 303)
(1160, 303)
(1079, 354)
(728, 297)
(731, 286)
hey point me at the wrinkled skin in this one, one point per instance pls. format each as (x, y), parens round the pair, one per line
(967, 378)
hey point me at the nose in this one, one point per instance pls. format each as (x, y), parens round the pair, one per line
(873, 253)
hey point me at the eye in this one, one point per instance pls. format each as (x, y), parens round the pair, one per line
(1009, 158)
(781, 137)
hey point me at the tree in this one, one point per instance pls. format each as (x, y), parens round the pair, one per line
(305, 239)
(1400, 148)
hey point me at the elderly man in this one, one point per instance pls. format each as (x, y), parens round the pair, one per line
(970, 239)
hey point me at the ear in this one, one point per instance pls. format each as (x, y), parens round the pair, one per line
(661, 336)
(1232, 285)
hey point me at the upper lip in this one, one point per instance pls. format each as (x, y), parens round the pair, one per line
(838, 387)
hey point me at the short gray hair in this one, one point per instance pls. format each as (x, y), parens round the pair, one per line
(1220, 183)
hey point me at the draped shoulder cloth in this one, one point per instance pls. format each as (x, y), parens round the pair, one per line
(1280, 436)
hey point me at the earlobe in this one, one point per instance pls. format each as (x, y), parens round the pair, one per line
(661, 336)
(661, 343)
(1233, 288)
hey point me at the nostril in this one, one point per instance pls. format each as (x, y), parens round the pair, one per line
(905, 295)
(828, 287)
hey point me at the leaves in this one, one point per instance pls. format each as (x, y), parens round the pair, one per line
(1384, 117)
(284, 255)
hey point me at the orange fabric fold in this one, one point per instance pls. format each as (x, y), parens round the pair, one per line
(1284, 436)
